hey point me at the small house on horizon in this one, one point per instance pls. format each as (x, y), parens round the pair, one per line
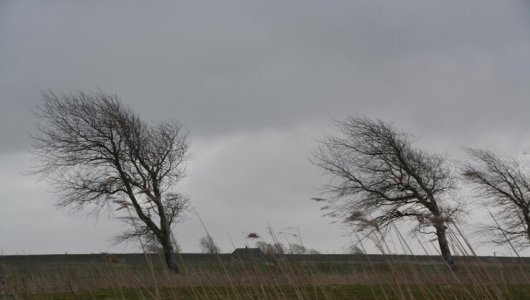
(247, 252)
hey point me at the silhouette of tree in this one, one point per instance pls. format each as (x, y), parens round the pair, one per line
(100, 154)
(379, 177)
(208, 245)
(502, 185)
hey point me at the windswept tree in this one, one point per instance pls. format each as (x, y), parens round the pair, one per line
(504, 187)
(379, 177)
(271, 249)
(99, 155)
(353, 249)
(297, 249)
(208, 245)
(152, 246)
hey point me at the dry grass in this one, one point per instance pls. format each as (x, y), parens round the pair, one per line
(275, 279)
(280, 277)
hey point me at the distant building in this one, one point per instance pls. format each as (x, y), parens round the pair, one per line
(247, 253)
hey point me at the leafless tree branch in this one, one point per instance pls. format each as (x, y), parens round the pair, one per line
(503, 186)
(376, 172)
(99, 154)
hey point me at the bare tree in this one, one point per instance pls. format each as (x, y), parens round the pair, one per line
(152, 246)
(353, 249)
(208, 245)
(504, 186)
(99, 154)
(376, 173)
(300, 249)
(297, 249)
(313, 252)
(271, 249)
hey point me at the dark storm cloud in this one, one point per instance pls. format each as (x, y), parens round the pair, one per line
(241, 73)
(220, 67)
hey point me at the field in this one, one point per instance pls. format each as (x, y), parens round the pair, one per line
(140, 276)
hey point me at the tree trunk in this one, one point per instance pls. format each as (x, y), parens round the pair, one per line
(444, 245)
(528, 228)
(169, 255)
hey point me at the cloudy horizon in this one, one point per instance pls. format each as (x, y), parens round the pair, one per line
(256, 83)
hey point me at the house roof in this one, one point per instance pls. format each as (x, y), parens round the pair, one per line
(248, 251)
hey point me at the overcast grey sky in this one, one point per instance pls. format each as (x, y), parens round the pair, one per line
(256, 83)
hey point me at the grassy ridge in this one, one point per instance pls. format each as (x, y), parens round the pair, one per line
(308, 292)
(282, 277)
